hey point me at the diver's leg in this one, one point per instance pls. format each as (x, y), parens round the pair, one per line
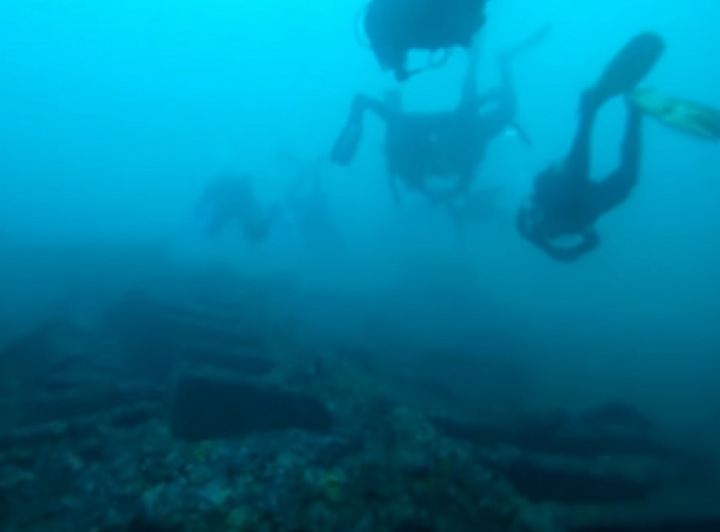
(617, 187)
(577, 163)
(623, 72)
(346, 145)
(563, 188)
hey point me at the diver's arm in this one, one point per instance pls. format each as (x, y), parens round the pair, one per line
(589, 242)
(343, 151)
(363, 103)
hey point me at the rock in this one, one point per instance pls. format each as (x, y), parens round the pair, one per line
(542, 484)
(250, 362)
(207, 407)
(3, 504)
(89, 400)
(564, 437)
(155, 334)
(617, 414)
(413, 527)
(48, 349)
(144, 524)
(571, 461)
(131, 417)
(680, 525)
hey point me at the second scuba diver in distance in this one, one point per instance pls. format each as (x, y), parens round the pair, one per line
(232, 199)
(449, 145)
(565, 201)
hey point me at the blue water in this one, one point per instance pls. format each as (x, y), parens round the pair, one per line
(114, 115)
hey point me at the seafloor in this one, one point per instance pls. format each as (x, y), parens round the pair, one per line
(200, 410)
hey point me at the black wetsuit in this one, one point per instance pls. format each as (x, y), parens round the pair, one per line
(566, 201)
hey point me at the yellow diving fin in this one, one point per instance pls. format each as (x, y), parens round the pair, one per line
(690, 117)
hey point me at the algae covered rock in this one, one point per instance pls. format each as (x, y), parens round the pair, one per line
(211, 407)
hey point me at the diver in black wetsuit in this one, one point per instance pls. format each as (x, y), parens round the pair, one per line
(565, 201)
(395, 27)
(448, 145)
(232, 199)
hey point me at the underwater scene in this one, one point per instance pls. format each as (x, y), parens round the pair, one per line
(359, 266)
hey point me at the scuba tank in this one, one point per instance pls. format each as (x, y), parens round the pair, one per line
(394, 27)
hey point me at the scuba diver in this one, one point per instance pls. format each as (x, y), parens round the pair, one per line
(565, 201)
(307, 202)
(230, 199)
(395, 27)
(447, 145)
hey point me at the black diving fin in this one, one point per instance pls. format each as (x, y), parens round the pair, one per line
(627, 68)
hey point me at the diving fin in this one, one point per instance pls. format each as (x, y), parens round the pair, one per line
(628, 68)
(691, 117)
